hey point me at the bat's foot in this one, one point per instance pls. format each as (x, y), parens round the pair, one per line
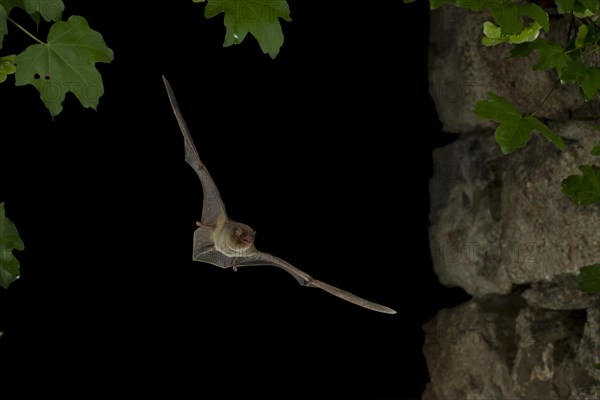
(198, 223)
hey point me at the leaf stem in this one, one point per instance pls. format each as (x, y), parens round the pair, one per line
(25, 30)
(544, 101)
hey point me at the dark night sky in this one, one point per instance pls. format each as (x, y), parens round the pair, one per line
(325, 151)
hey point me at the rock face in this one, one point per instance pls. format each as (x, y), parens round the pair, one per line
(462, 71)
(500, 221)
(501, 229)
(502, 348)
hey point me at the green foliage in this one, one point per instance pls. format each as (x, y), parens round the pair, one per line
(514, 129)
(7, 67)
(589, 278)
(583, 189)
(66, 63)
(258, 17)
(520, 24)
(579, 8)
(587, 36)
(588, 78)
(493, 34)
(49, 10)
(566, 61)
(435, 4)
(9, 241)
(510, 19)
(582, 33)
(550, 55)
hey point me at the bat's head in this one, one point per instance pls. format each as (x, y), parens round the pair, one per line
(243, 236)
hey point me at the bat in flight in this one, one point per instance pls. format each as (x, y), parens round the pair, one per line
(229, 244)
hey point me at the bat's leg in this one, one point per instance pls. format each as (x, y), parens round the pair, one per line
(198, 223)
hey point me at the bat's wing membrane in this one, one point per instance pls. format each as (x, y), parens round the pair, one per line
(214, 257)
(260, 258)
(304, 279)
(213, 209)
(212, 205)
(206, 252)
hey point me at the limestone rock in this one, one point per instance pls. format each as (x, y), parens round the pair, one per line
(562, 293)
(497, 221)
(501, 229)
(462, 71)
(501, 348)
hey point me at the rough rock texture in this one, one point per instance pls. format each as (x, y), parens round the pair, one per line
(501, 229)
(462, 71)
(498, 221)
(499, 347)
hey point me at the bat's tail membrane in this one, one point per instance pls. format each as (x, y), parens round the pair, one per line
(342, 294)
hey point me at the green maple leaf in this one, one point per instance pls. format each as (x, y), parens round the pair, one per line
(3, 25)
(580, 8)
(9, 241)
(258, 17)
(574, 71)
(582, 33)
(50, 10)
(588, 78)
(565, 6)
(509, 15)
(585, 8)
(590, 83)
(514, 129)
(493, 34)
(583, 189)
(550, 55)
(7, 67)
(589, 278)
(435, 4)
(5, 8)
(65, 64)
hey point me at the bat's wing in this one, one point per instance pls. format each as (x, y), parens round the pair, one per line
(212, 205)
(203, 245)
(260, 258)
(204, 251)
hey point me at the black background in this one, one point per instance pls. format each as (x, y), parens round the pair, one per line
(325, 151)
